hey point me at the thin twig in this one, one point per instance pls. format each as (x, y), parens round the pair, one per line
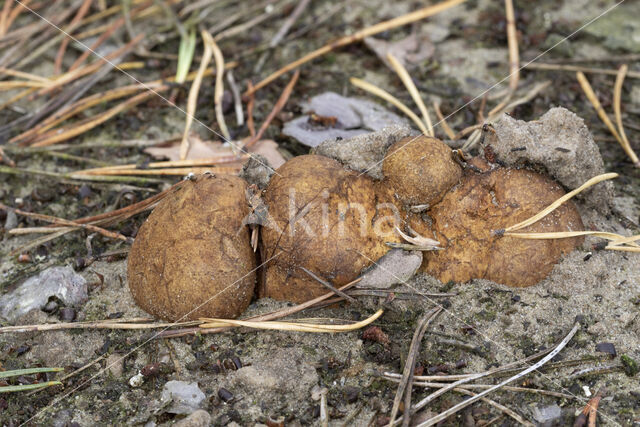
(279, 105)
(329, 286)
(410, 365)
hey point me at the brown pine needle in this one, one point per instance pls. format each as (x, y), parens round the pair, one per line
(210, 161)
(290, 326)
(4, 17)
(361, 35)
(413, 91)
(219, 88)
(514, 56)
(591, 96)
(616, 239)
(617, 95)
(23, 75)
(108, 32)
(228, 170)
(82, 11)
(445, 126)
(553, 206)
(380, 93)
(62, 221)
(575, 68)
(278, 314)
(59, 135)
(250, 103)
(279, 105)
(193, 96)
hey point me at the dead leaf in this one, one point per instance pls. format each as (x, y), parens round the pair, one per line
(199, 149)
(410, 50)
(269, 149)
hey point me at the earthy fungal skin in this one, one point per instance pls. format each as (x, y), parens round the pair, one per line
(192, 248)
(420, 170)
(465, 220)
(335, 245)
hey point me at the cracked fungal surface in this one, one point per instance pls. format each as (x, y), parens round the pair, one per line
(465, 220)
(325, 218)
(194, 246)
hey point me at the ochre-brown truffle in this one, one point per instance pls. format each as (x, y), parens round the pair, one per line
(420, 170)
(465, 220)
(192, 257)
(324, 218)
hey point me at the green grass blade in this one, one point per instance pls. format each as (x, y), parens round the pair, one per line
(185, 55)
(28, 371)
(26, 387)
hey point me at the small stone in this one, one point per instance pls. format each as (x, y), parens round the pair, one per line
(185, 397)
(396, 266)
(11, 221)
(34, 293)
(67, 314)
(115, 365)
(137, 380)
(606, 347)
(547, 415)
(225, 395)
(597, 329)
(199, 418)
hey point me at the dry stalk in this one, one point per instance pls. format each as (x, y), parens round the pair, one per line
(617, 96)
(413, 91)
(576, 68)
(219, 88)
(193, 96)
(591, 96)
(553, 206)
(445, 126)
(263, 317)
(289, 326)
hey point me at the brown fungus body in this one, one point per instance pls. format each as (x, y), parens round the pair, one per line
(192, 257)
(420, 170)
(466, 220)
(323, 218)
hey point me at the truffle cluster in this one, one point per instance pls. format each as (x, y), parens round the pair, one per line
(193, 258)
